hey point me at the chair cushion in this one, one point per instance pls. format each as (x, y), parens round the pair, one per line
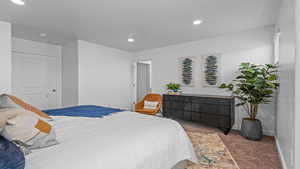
(151, 105)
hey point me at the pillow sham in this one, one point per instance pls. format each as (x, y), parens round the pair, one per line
(28, 130)
(10, 101)
(4, 116)
(150, 105)
(8, 113)
(11, 157)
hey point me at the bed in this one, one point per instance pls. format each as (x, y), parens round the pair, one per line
(122, 140)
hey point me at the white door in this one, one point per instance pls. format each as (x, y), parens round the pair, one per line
(35, 79)
(143, 80)
(52, 82)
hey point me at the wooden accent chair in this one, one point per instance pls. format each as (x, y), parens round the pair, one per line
(139, 107)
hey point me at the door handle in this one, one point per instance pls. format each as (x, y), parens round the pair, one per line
(52, 91)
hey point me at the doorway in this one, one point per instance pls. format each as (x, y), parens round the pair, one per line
(35, 79)
(143, 80)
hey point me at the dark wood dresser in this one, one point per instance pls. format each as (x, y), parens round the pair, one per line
(216, 111)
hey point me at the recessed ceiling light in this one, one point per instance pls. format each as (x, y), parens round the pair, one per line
(18, 2)
(43, 35)
(130, 40)
(197, 22)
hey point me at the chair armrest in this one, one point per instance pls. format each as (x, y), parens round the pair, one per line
(139, 105)
(159, 106)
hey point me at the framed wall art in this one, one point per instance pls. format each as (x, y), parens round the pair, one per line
(187, 71)
(211, 65)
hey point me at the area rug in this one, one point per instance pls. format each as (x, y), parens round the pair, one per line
(211, 152)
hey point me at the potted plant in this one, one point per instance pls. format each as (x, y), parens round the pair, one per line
(173, 88)
(254, 86)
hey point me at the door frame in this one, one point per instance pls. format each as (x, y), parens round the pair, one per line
(135, 78)
(58, 76)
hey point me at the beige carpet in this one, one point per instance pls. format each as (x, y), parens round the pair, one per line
(211, 152)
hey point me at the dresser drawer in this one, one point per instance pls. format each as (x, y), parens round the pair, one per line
(196, 107)
(214, 120)
(174, 105)
(187, 106)
(209, 108)
(187, 115)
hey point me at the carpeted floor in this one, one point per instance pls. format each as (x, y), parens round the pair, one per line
(248, 154)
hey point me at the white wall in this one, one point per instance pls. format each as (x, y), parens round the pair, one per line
(249, 46)
(40, 49)
(5, 57)
(285, 103)
(70, 74)
(297, 89)
(105, 76)
(34, 47)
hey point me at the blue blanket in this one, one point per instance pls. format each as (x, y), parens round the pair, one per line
(82, 111)
(11, 157)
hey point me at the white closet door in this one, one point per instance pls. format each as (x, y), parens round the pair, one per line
(34, 79)
(52, 82)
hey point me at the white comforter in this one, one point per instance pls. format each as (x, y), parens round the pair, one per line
(124, 140)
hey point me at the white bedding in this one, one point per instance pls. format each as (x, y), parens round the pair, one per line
(124, 140)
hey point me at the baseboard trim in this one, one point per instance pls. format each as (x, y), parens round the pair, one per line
(282, 160)
(268, 133)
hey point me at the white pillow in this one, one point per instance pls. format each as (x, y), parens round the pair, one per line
(8, 113)
(28, 129)
(150, 105)
(8, 101)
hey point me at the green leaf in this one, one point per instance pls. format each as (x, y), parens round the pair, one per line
(223, 86)
(240, 77)
(251, 70)
(272, 77)
(252, 80)
(238, 91)
(245, 64)
(267, 92)
(272, 85)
